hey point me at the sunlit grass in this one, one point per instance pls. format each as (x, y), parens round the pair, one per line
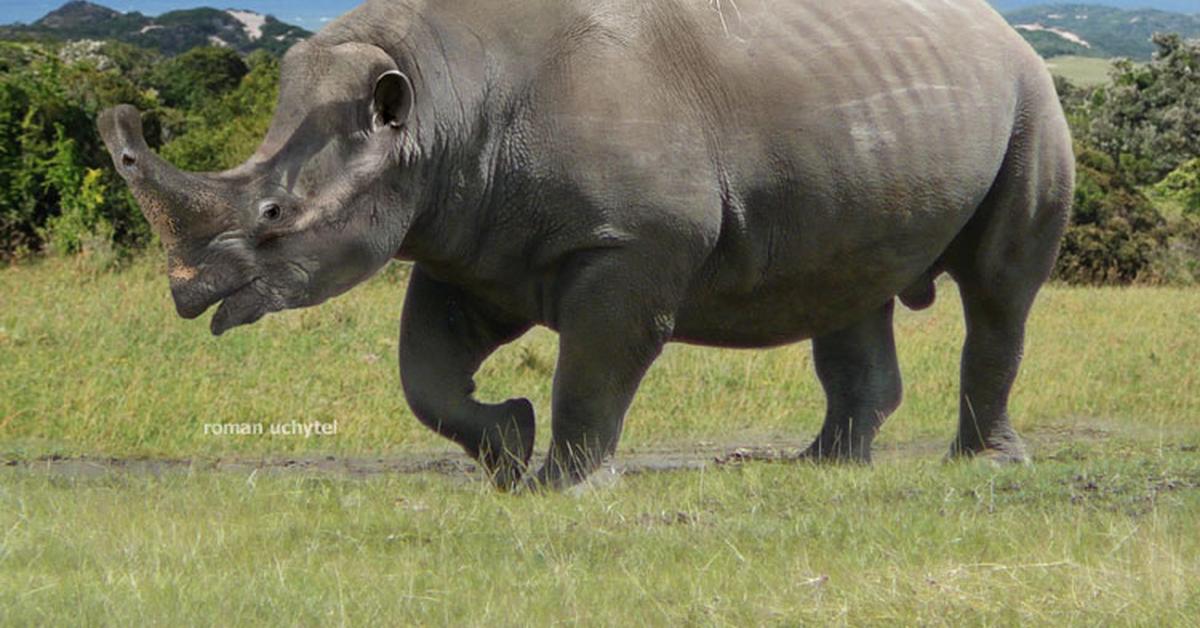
(99, 364)
(1101, 536)
(1082, 71)
(1100, 530)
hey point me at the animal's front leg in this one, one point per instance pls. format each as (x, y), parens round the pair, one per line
(445, 336)
(611, 329)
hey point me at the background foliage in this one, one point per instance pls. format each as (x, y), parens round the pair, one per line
(1136, 216)
(204, 110)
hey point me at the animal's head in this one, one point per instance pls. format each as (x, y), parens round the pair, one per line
(323, 204)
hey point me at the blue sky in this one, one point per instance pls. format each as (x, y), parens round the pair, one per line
(311, 14)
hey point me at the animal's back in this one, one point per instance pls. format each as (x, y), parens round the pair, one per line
(853, 141)
(827, 152)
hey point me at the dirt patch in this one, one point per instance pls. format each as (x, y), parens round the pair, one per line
(1055, 442)
(447, 463)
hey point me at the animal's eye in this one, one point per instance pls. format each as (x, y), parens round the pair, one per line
(270, 212)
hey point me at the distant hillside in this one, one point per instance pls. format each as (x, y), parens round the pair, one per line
(171, 33)
(1178, 6)
(1098, 31)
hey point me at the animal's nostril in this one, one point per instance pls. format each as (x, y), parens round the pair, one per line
(127, 158)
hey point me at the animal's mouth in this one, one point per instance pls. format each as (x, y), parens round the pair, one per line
(243, 306)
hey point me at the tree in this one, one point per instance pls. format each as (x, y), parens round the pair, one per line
(1116, 236)
(198, 75)
(55, 181)
(1148, 119)
(1182, 187)
(224, 131)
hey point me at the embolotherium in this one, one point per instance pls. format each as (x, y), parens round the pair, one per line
(633, 172)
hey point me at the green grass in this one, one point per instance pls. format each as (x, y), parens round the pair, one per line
(99, 364)
(1082, 71)
(1091, 535)
(1100, 530)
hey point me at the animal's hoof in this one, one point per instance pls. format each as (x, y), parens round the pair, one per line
(549, 480)
(508, 445)
(1003, 453)
(823, 453)
(506, 478)
(540, 483)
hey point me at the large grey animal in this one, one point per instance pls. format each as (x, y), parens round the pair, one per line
(633, 172)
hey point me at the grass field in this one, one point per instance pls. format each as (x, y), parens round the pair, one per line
(100, 364)
(1090, 536)
(1100, 530)
(1082, 71)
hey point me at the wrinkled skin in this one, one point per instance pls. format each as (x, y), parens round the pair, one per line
(300, 222)
(631, 173)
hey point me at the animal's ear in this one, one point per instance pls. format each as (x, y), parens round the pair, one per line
(393, 100)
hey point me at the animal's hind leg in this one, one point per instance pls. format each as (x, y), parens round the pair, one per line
(1000, 261)
(858, 369)
(990, 359)
(444, 337)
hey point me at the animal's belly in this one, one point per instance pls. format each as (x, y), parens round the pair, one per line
(773, 317)
(766, 292)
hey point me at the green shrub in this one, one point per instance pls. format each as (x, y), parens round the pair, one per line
(48, 148)
(58, 190)
(1182, 187)
(198, 75)
(1116, 236)
(1150, 114)
(226, 129)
